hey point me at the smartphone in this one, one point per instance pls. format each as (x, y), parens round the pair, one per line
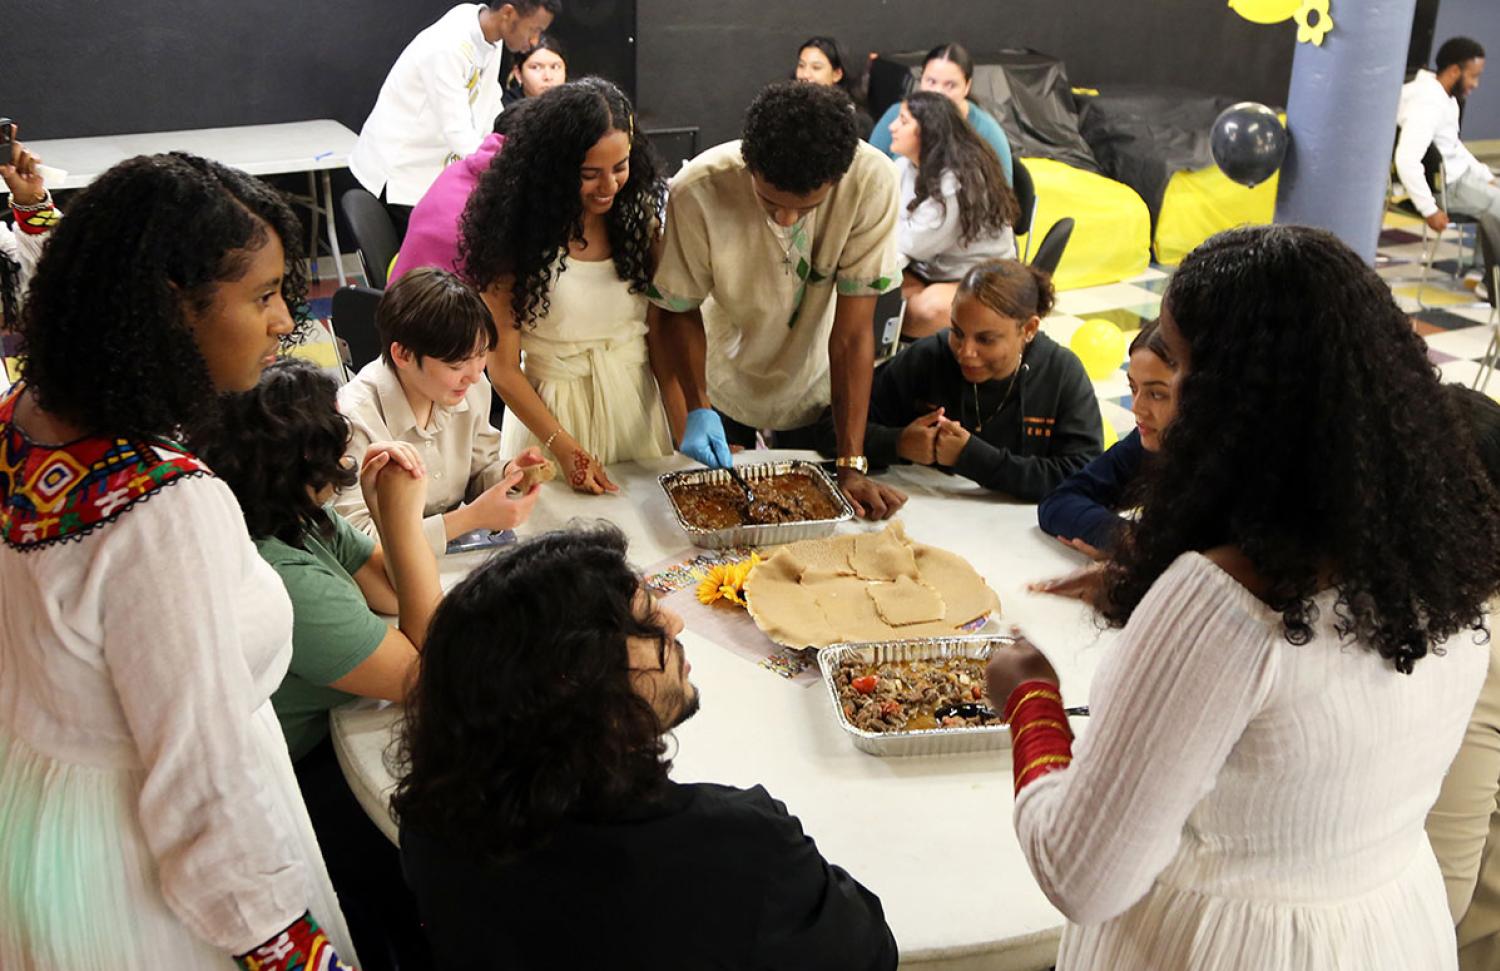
(7, 142)
(480, 539)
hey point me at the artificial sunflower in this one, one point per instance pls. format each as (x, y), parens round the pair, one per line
(726, 581)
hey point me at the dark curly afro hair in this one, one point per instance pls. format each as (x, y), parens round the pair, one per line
(1312, 433)
(105, 340)
(524, 715)
(527, 208)
(800, 137)
(276, 446)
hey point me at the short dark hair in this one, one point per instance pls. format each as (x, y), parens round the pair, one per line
(433, 313)
(1459, 51)
(276, 444)
(800, 137)
(546, 42)
(523, 714)
(956, 53)
(527, 7)
(105, 341)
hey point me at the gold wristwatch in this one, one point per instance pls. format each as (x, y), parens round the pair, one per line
(858, 463)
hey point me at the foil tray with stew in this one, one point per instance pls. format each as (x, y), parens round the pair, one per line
(917, 697)
(794, 500)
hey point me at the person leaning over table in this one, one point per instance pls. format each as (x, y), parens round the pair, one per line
(540, 826)
(427, 389)
(280, 448)
(1303, 610)
(990, 398)
(149, 815)
(776, 248)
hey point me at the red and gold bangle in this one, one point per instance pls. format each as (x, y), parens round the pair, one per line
(1041, 740)
(301, 947)
(36, 219)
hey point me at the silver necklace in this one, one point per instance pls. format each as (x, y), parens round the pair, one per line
(1015, 379)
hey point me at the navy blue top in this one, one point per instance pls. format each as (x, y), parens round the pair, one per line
(1084, 506)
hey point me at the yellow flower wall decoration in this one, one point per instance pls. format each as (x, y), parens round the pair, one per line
(1313, 22)
(726, 581)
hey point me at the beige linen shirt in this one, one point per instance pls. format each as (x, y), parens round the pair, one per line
(768, 297)
(460, 449)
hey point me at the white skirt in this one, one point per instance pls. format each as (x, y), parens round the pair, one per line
(78, 886)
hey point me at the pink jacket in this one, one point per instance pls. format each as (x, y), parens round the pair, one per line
(432, 233)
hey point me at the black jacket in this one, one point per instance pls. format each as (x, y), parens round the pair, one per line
(712, 877)
(1049, 427)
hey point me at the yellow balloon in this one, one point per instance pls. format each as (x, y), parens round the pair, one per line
(1100, 345)
(1265, 11)
(1110, 435)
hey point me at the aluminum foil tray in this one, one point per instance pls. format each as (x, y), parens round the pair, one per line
(931, 741)
(771, 534)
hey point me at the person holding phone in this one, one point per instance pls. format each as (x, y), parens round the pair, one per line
(35, 216)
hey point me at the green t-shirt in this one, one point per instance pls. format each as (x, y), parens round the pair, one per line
(333, 629)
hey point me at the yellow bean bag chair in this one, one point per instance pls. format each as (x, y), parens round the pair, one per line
(1111, 238)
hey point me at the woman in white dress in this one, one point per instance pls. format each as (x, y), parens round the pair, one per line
(149, 816)
(560, 238)
(1302, 600)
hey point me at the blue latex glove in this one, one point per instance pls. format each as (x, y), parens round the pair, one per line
(703, 440)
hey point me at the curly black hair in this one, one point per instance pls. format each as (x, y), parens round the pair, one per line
(1457, 51)
(278, 444)
(986, 204)
(524, 714)
(1312, 433)
(799, 137)
(105, 340)
(527, 207)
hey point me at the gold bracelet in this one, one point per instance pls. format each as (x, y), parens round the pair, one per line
(550, 438)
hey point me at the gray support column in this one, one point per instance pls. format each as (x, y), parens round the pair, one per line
(1341, 114)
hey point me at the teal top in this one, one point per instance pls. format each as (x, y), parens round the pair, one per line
(986, 126)
(333, 628)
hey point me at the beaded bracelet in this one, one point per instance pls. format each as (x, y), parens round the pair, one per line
(301, 947)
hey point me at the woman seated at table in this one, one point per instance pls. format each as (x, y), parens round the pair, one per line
(990, 398)
(427, 389)
(822, 60)
(1302, 603)
(538, 70)
(280, 448)
(559, 237)
(956, 208)
(949, 70)
(1084, 512)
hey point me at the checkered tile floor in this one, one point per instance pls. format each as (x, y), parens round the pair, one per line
(1455, 323)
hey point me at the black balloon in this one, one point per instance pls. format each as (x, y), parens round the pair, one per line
(1248, 142)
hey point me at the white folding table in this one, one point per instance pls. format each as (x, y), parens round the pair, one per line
(314, 147)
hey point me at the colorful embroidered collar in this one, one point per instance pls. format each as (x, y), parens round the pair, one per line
(52, 494)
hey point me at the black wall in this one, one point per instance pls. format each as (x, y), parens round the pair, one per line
(701, 61)
(89, 67)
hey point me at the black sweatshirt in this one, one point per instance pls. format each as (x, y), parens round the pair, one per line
(709, 877)
(1049, 427)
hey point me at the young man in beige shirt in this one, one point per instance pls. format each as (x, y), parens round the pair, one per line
(776, 248)
(428, 389)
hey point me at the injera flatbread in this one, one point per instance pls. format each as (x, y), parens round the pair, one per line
(885, 555)
(906, 602)
(802, 594)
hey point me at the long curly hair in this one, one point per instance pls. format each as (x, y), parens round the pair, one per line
(1312, 434)
(986, 204)
(105, 339)
(523, 715)
(527, 208)
(278, 444)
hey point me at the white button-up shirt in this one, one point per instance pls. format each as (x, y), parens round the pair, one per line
(1428, 115)
(437, 104)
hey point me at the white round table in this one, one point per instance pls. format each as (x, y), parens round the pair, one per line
(932, 836)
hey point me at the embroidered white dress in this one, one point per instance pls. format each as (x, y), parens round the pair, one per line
(587, 361)
(1242, 802)
(149, 816)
